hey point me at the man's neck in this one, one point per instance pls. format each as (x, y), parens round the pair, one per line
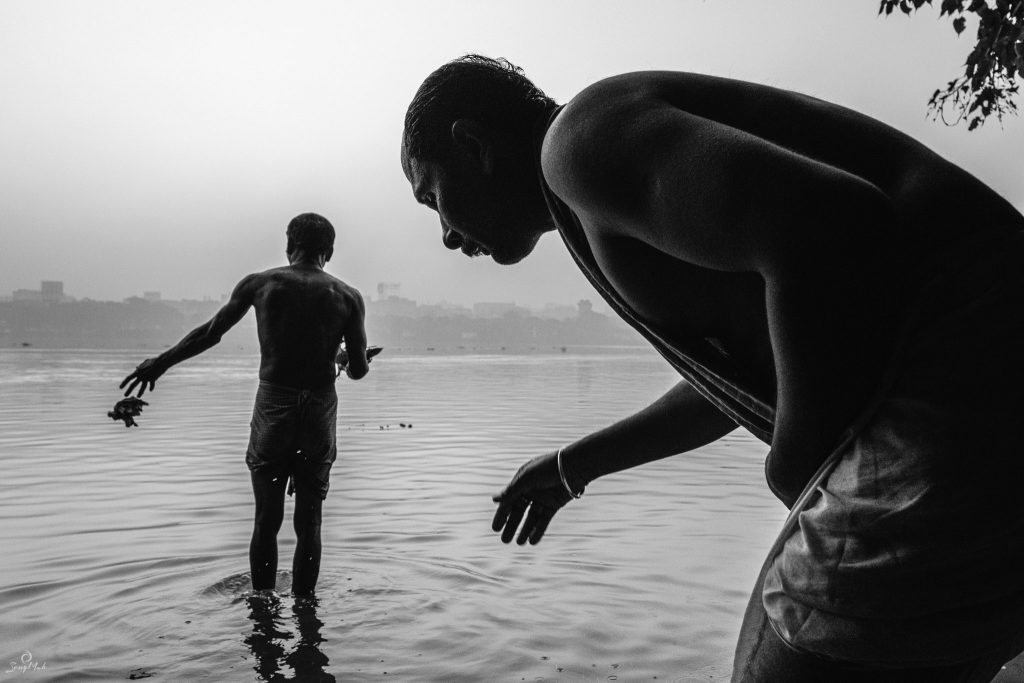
(302, 259)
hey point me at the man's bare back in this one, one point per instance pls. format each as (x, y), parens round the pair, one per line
(302, 316)
(782, 218)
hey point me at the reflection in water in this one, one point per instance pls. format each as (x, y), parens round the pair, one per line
(270, 639)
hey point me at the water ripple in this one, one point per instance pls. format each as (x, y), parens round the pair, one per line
(125, 549)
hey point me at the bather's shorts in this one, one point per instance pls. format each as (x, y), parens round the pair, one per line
(908, 549)
(293, 434)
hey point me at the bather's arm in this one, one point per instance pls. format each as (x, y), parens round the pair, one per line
(679, 421)
(195, 342)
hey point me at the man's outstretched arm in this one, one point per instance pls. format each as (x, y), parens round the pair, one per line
(679, 421)
(195, 342)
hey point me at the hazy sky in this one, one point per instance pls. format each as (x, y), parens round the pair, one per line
(164, 146)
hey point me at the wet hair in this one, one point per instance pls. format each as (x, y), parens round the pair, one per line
(494, 92)
(310, 232)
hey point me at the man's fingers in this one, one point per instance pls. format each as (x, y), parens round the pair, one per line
(533, 518)
(506, 503)
(541, 527)
(505, 495)
(127, 379)
(501, 514)
(515, 516)
(511, 491)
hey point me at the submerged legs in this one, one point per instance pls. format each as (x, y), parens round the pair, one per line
(269, 493)
(306, 563)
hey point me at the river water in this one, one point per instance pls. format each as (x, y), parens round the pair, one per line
(123, 552)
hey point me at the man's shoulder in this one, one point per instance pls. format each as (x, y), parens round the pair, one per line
(588, 118)
(287, 277)
(253, 282)
(346, 294)
(345, 289)
(593, 144)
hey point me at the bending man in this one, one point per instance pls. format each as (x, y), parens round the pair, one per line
(817, 277)
(302, 315)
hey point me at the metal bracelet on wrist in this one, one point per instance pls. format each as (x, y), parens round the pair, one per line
(565, 482)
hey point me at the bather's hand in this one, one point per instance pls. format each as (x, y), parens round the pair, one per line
(536, 492)
(147, 373)
(341, 358)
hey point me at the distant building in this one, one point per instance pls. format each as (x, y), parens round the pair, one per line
(151, 296)
(557, 312)
(497, 309)
(50, 291)
(390, 302)
(394, 305)
(194, 311)
(27, 295)
(386, 290)
(444, 310)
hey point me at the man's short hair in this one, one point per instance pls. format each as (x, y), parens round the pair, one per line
(494, 92)
(310, 232)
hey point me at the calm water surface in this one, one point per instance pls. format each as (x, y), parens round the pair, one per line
(125, 550)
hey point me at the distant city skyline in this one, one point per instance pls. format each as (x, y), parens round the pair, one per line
(382, 293)
(51, 318)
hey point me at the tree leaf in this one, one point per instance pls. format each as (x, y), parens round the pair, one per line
(950, 6)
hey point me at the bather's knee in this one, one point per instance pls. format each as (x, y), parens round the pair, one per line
(268, 520)
(307, 530)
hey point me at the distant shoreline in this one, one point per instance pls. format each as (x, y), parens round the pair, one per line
(408, 350)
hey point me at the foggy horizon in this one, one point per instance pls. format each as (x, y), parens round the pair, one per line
(165, 147)
(370, 294)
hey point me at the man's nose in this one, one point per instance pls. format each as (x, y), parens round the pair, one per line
(450, 238)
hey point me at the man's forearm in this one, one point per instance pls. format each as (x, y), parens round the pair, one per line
(192, 344)
(679, 421)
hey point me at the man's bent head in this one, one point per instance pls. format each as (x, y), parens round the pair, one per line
(311, 234)
(469, 150)
(492, 92)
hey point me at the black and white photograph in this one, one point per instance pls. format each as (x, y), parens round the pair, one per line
(475, 341)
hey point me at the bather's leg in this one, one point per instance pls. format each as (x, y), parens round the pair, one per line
(308, 510)
(269, 493)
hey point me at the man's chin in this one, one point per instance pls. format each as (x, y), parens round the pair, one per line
(507, 259)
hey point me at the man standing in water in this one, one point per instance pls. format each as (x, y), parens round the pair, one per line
(817, 277)
(302, 316)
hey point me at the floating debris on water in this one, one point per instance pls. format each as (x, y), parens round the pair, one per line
(127, 409)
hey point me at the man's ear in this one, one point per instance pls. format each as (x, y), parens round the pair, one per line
(328, 254)
(471, 138)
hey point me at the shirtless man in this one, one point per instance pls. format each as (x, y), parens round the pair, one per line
(302, 316)
(816, 277)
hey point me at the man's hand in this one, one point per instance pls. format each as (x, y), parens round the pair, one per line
(341, 359)
(147, 373)
(535, 491)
